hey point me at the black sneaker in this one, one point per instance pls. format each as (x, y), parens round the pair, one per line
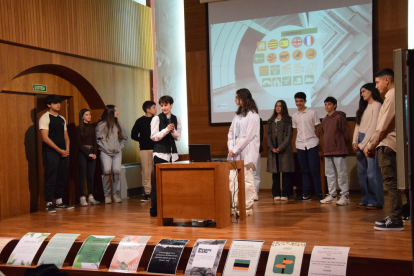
(63, 206)
(319, 197)
(406, 219)
(382, 222)
(361, 205)
(390, 226)
(50, 208)
(145, 198)
(303, 198)
(373, 207)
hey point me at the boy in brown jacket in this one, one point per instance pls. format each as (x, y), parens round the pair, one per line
(336, 137)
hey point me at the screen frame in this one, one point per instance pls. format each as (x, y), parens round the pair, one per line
(349, 119)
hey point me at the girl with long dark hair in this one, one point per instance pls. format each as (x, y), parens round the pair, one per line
(280, 153)
(86, 140)
(243, 144)
(111, 138)
(369, 173)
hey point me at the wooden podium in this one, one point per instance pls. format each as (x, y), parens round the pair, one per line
(198, 191)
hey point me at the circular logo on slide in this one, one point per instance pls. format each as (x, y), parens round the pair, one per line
(272, 44)
(311, 53)
(284, 56)
(297, 42)
(308, 40)
(297, 55)
(271, 58)
(284, 43)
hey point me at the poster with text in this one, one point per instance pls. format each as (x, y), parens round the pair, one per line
(205, 257)
(243, 258)
(26, 249)
(92, 251)
(128, 254)
(57, 249)
(3, 242)
(285, 258)
(328, 261)
(166, 255)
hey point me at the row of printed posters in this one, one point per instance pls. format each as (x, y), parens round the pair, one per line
(243, 256)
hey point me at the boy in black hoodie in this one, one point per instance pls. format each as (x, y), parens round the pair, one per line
(336, 137)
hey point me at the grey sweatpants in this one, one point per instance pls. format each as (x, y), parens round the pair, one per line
(336, 167)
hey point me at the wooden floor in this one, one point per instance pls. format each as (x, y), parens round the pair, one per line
(310, 222)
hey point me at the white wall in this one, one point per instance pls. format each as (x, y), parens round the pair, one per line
(171, 62)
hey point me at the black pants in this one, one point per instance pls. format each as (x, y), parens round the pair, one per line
(56, 168)
(86, 166)
(153, 210)
(285, 184)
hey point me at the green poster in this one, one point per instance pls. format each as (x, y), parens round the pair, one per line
(91, 252)
(57, 249)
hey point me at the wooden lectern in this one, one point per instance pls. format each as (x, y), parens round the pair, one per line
(198, 191)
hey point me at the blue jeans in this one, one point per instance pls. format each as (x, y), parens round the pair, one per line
(111, 168)
(309, 164)
(369, 178)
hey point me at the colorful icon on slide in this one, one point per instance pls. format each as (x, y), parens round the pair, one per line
(272, 44)
(308, 40)
(271, 58)
(261, 46)
(297, 55)
(284, 56)
(297, 42)
(284, 264)
(311, 53)
(284, 43)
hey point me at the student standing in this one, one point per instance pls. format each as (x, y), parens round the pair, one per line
(256, 173)
(280, 154)
(335, 149)
(243, 144)
(384, 142)
(307, 123)
(369, 173)
(165, 130)
(86, 141)
(141, 132)
(111, 138)
(55, 153)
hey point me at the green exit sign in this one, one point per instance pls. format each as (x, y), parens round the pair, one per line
(39, 87)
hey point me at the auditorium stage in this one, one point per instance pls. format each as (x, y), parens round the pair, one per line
(372, 252)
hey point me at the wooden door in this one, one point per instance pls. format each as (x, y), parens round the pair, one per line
(18, 176)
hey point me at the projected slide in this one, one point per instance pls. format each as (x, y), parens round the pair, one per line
(322, 53)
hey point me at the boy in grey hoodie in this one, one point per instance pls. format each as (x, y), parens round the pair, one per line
(336, 137)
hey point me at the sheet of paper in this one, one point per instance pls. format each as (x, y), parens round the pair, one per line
(285, 258)
(26, 249)
(57, 249)
(128, 254)
(205, 257)
(4, 241)
(243, 257)
(328, 261)
(91, 253)
(165, 257)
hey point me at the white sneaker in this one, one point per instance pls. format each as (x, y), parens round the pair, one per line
(82, 201)
(92, 201)
(276, 198)
(328, 199)
(256, 197)
(117, 199)
(344, 200)
(108, 199)
(283, 198)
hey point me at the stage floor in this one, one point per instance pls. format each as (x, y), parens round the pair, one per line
(310, 222)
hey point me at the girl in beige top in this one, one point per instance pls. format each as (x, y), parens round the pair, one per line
(369, 174)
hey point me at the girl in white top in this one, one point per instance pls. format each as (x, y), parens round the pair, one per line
(243, 144)
(369, 174)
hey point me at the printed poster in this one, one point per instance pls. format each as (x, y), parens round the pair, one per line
(166, 255)
(205, 257)
(243, 258)
(285, 258)
(26, 249)
(128, 254)
(57, 249)
(4, 242)
(329, 261)
(91, 253)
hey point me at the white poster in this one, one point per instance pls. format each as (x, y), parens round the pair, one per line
(26, 249)
(285, 258)
(243, 258)
(205, 257)
(328, 261)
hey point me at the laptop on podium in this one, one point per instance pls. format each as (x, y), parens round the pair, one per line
(199, 153)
